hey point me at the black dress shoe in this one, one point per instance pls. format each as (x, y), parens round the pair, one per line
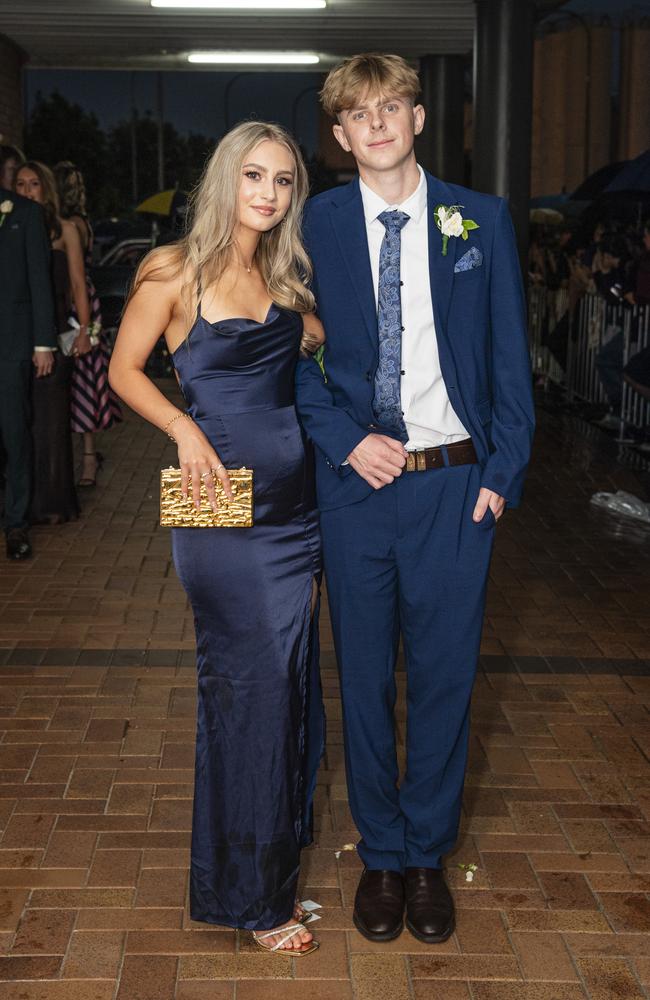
(18, 544)
(379, 905)
(429, 906)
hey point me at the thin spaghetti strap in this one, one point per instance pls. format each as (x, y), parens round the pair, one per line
(198, 296)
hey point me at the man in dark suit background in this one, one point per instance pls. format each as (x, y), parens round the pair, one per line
(27, 338)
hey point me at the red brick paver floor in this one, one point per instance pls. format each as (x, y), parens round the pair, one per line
(97, 701)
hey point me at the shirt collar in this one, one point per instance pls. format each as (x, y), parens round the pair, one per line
(414, 206)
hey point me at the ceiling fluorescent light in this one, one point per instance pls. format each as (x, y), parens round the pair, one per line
(242, 4)
(255, 58)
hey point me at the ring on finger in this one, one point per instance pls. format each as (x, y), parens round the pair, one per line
(218, 468)
(206, 475)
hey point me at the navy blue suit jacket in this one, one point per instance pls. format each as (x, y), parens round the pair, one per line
(26, 304)
(480, 322)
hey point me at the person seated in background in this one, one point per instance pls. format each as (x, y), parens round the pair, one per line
(592, 255)
(608, 282)
(610, 276)
(537, 256)
(637, 286)
(637, 370)
(561, 257)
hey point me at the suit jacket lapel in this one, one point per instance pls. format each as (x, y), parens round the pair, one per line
(441, 269)
(349, 225)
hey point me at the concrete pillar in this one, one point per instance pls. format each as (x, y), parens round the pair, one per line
(577, 99)
(11, 92)
(329, 150)
(571, 106)
(634, 121)
(600, 105)
(550, 116)
(503, 57)
(440, 147)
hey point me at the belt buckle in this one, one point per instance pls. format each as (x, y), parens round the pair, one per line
(410, 462)
(421, 460)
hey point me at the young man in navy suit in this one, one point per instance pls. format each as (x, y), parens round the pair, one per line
(423, 425)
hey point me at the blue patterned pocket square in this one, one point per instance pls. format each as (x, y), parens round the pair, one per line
(473, 258)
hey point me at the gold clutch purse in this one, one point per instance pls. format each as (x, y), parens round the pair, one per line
(177, 512)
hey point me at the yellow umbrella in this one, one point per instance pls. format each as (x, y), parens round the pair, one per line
(163, 203)
(546, 216)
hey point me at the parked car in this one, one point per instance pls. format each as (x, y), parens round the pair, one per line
(112, 277)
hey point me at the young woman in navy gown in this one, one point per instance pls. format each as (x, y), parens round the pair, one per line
(232, 301)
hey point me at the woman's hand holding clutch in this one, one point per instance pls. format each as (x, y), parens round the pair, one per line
(198, 461)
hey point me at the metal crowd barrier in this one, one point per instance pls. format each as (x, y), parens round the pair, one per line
(635, 409)
(592, 325)
(545, 310)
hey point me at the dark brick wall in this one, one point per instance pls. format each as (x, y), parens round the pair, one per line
(11, 94)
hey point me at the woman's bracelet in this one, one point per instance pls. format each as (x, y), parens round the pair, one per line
(173, 421)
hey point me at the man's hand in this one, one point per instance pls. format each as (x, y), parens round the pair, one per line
(486, 498)
(378, 459)
(43, 362)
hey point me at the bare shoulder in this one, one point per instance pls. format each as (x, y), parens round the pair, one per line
(161, 263)
(70, 233)
(82, 227)
(161, 273)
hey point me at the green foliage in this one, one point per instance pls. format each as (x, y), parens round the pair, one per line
(319, 358)
(59, 130)
(184, 157)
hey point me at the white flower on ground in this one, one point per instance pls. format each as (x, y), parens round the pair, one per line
(469, 871)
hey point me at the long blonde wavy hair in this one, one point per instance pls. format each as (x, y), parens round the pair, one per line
(206, 250)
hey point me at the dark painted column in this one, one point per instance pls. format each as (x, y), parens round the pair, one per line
(11, 92)
(440, 147)
(503, 99)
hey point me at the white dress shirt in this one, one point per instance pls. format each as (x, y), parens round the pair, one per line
(429, 417)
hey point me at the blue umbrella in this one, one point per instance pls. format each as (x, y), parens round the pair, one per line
(633, 177)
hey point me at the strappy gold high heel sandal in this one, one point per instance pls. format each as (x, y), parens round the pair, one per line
(286, 934)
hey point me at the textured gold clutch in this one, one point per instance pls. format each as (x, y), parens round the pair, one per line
(177, 512)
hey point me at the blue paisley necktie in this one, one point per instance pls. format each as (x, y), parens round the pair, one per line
(387, 404)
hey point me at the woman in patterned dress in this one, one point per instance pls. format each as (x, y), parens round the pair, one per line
(94, 405)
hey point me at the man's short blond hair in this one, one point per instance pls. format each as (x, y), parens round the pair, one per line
(370, 72)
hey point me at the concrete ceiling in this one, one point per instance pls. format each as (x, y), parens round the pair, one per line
(130, 34)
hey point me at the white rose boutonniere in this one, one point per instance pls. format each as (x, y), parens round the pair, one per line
(451, 223)
(5, 208)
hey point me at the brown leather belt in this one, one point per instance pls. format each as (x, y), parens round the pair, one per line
(458, 453)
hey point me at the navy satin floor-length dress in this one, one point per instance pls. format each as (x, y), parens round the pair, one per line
(260, 723)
